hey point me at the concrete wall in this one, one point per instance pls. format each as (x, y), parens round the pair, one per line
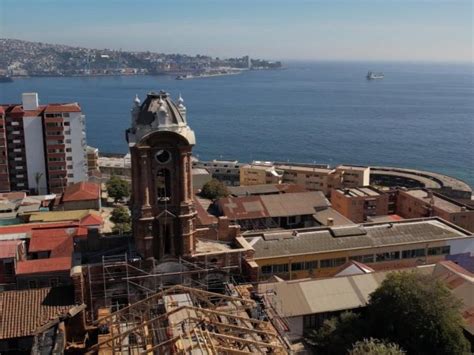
(78, 146)
(34, 150)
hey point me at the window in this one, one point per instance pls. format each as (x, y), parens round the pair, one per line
(280, 268)
(369, 258)
(68, 150)
(68, 141)
(69, 167)
(414, 253)
(297, 266)
(387, 256)
(332, 262)
(310, 265)
(66, 123)
(266, 269)
(70, 175)
(65, 114)
(163, 185)
(439, 250)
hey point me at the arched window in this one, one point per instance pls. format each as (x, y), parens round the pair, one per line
(163, 185)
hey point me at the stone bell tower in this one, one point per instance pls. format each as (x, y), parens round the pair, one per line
(160, 143)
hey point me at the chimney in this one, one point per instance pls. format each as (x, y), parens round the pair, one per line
(330, 222)
(29, 101)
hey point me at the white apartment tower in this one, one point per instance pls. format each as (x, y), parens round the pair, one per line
(42, 147)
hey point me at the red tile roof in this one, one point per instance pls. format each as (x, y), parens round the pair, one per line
(82, 191)
(22, 312)
(72, 107)
(42, 266)
(92, 220)
(9, 248)
(59, 246)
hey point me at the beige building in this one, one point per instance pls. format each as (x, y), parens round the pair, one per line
(92, 158)
(321, 251)
(354, 176)
(312, 178)
(259, 173)
(358, 203)
(424, 203)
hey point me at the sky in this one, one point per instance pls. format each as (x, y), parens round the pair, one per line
(398, 30)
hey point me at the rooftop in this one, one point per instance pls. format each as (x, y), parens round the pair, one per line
(42, 266)
(81, 216)
(312, 296)
(369, 235)
(329, 214)
(23, 312)
(352, 167)
(280, 205)
(303, 168)
(439, 201)
(264, 189)
(9, 248)
(366, 191)
(82, 191)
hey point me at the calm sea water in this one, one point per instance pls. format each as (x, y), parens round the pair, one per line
(419, 116)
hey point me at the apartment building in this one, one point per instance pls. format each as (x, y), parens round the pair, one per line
(227, 171)
(353, 175)
(42, 147)
(358, 203)
(259, 173)
(416, 203)
(317, 178)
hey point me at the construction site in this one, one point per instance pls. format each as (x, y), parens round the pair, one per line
(175, 307)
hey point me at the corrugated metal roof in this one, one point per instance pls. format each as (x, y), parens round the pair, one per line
(278, 205)
(321, 240)
(297, 298)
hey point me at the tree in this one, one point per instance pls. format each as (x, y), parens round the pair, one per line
(418, 312)
(337, 334)
(375, 347)
(122, 228)
(120, 215)
(117, 188)
(214, 189)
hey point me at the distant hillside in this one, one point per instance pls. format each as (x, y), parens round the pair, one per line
(39, 59)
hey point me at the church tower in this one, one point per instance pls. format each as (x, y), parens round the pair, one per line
(160, 143)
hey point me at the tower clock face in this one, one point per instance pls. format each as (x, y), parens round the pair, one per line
(163, 156)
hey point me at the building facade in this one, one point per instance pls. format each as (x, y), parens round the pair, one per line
(160, 143)
(320, 252)
(227, 171)
(416, 203)
(42, 147)
(259, 173)
(358, 203)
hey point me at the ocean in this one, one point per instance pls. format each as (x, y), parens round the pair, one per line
(419, 116)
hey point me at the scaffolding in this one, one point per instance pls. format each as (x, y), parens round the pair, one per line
(117, 281)
(188, 320)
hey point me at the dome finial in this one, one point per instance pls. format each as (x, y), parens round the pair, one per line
(180, 99)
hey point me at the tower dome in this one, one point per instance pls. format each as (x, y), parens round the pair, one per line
(159, 113)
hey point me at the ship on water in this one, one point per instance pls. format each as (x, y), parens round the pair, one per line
(373, 75)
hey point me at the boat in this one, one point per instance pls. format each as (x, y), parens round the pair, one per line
(184, 77)
(373, 75)
(5, 79)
